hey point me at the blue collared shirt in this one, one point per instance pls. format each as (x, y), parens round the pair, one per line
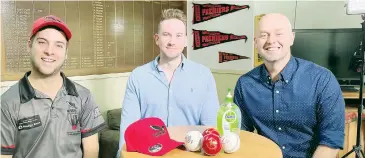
(303, 109)
(190, 99)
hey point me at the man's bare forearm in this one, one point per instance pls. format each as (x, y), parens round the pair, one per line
(91, 146)
(91, 154)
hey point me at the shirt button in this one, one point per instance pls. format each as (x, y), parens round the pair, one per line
(279, 128)
(277, 91)
(283, 147)
(277, 111)
(286, 81)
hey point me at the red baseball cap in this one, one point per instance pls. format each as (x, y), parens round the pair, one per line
(149, 136)
(50, 20)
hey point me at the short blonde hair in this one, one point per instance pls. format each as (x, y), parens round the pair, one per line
(172, 14)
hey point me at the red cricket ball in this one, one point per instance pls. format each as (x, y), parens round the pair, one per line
(210, 131)
(211, 144)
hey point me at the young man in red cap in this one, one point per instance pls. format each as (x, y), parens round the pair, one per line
(45, 114)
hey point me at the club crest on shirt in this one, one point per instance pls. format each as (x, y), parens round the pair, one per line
(73, 118)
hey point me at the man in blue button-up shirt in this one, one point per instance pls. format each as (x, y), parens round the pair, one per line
(178, 91)
(296, 103)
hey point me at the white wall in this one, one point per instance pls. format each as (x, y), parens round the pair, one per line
(285, 7)
(108, 90)
(309, 14)
(324, 15)
(238, 23)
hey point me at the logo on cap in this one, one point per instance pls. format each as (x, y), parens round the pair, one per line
(155, 148)
(160, 130)
(51, 18)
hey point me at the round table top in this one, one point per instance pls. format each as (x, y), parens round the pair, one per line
(252, 145)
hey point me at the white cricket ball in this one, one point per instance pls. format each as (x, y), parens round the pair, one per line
(193, 140)
(230, 142)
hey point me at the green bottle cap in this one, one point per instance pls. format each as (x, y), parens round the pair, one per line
(229, 97)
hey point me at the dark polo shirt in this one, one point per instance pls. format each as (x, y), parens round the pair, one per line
(35, 126)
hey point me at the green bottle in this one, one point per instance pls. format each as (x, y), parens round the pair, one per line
(229, 116)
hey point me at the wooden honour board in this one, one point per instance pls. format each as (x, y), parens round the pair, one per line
(108, 36)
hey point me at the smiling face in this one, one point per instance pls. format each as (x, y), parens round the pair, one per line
(48, 51)
(171, 38)
(274, 38)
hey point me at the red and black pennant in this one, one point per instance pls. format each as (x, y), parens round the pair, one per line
(204, 38)
(225, 57)
(205, 12)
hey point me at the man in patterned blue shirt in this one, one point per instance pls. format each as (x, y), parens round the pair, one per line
(178, 91)
(295, 103)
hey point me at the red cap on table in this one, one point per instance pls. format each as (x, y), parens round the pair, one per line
(149, 136)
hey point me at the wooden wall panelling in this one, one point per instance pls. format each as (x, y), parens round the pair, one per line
(108, 36)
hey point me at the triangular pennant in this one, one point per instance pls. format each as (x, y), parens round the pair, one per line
(204, 38)
(205, 12)
(225, 57)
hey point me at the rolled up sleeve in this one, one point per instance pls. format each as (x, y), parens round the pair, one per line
(331, 114)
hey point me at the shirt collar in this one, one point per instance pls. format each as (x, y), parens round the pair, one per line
(155, 63)
(26, 91)
(285, 75)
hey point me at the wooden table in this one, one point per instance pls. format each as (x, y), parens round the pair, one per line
(352, 95)
(252, 145)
